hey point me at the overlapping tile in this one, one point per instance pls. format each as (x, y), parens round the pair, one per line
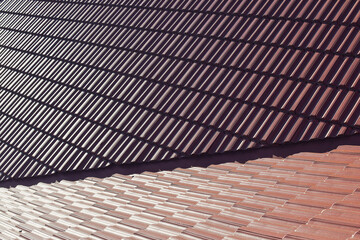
(174, 205)
(89, 84)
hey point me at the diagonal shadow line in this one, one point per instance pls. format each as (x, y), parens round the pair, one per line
(202, 160)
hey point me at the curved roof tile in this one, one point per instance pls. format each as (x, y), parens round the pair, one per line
(269, 198)
(87, 84)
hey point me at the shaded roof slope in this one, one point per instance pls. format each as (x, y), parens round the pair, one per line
(85, 85)
(304, 196)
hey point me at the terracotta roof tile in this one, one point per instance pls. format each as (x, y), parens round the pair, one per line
(309, 232)
(269, 228)
(336, 185)
(317, 199)
(349, 173)
(118, 82)
(303, 180)
(294, 205)
(294, 213)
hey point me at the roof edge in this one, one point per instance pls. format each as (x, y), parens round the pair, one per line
(202, 160)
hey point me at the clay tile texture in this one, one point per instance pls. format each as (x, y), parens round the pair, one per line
(185, 204)
(93, 87)
(90, 84)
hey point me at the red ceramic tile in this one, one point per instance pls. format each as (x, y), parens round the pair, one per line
(231, 220)
(339, 158)
(329, 226)
(349, 173)
(227, 166)
(184, 200)
(275, 174)
(217, 169)
(308, 232)
(293, 213)
(34, 236)
(166, 228)
(192, 233)
(196, 216)
(283, 191)
(340, 207)
(249, 169)
(205, 208)
(196, 196)
(352, 200)
(166, 194)
(317, 199)
(303, 180)
(94, 225)
(119, 214)
(138, 224)
(191, 183)
(209, 174)
(152, 234)
(183, 237)
(336, 185)
(218, 203)
(339, 217)
(159, 211)
(308, 156)
(82, 216)
(261, 203)
(195, 89)
(215, 226)
(292, 164)
(57, 226)
(188, 171)
(349, 149)
(256, 184)
(172, 207)
(230, 179)
(179, 220)
(322, 169)
(25, 227)
(106, 235)
(208, 190)
(355, 164)
(176, 189)
(243, 235)
(286, 195)
(265, 161)
(49, 217)
(269, 228)
(233, 195)
(237, 216)
(288, 205)
(66, 236)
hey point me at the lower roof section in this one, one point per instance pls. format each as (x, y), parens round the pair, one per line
(303, 196)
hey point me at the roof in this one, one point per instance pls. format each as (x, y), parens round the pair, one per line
(86, 85)
(304, 196)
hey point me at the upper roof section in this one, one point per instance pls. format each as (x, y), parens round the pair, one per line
(84, 84)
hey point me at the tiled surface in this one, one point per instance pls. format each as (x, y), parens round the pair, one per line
(262, 199)
(85, 84)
